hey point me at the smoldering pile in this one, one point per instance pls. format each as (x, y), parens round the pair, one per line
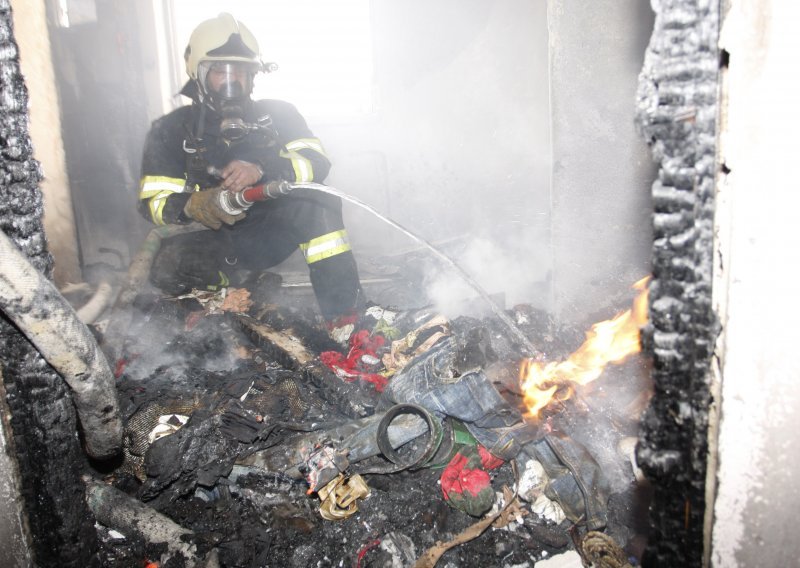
(247, 426)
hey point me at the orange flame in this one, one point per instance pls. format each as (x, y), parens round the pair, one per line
(609, 341)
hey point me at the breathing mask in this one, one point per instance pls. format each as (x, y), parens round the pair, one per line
(228, 85)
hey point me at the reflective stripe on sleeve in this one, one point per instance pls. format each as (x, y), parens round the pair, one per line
(303, 170)
(309, 143)
(325, 246)
(157, 189)
(153, 185)
(156, 206)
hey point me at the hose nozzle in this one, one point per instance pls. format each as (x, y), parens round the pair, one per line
(236, 202)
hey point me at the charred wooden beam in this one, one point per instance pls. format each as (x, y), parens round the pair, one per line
(281, 346)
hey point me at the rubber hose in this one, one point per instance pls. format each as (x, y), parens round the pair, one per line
(94, 308)
(39, 310)
(388, 450)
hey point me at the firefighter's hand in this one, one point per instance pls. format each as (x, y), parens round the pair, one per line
(239, 175)
(203, 206)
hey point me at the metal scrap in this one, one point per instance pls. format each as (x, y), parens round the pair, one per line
(340, 497)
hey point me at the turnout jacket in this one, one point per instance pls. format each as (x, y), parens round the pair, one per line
(182, 145)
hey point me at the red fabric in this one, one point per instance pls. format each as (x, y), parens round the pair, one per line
(342, 321)
(122, 363)
(457, 478)
(192, 319)
(364, 549)
(352, 367)
(488, 461)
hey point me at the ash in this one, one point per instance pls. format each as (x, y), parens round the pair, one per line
(229, 393)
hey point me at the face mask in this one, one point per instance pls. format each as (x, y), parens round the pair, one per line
(228, 80)
(228, 85)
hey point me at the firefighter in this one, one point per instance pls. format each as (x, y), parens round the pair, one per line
(226, 141)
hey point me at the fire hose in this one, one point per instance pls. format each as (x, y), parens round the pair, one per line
(34, 304)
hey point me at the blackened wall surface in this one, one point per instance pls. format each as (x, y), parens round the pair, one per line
(42, 416)
(99, 66)
(678, 116)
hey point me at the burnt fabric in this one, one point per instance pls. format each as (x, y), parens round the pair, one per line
(575, 479)
(184, 152)
(466, 484)
(430, 381)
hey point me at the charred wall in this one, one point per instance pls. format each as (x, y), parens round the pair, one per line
(677, 113)
(43, 419)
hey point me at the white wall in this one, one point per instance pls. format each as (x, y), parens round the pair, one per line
(602, 170)
(757, 292)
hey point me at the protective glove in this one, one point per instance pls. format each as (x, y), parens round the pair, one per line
(203, 206)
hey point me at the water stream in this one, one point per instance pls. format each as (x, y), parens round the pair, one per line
(509, 323)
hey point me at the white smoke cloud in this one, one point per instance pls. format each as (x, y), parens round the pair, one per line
(510, 277)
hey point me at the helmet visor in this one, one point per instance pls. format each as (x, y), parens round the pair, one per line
(227, 80)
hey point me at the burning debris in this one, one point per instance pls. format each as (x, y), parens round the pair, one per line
(267, 444)
(610, 341)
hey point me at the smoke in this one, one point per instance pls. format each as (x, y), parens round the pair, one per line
(509, 277)
(211, 345)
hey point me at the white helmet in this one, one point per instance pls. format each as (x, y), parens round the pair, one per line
(226, 46)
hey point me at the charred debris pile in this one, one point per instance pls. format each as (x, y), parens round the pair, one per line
(253, 439)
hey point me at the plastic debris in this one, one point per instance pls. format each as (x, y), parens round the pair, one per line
(400, 547)
(569, 559)
(405, 349)
(533, 480)
(320, 463)
(548, 509)
(532, 485)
